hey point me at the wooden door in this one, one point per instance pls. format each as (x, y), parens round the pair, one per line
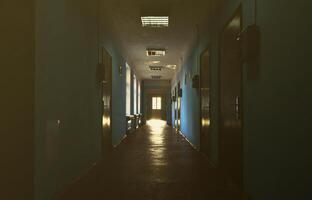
(179, 98)
(176, 109)
(231, 140)
(205, 140)
(106, 103)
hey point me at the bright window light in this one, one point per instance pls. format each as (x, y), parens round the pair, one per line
(155, 21)
(156, 103)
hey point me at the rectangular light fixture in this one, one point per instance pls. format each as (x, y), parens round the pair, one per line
(155, 68)
(155, 52)
(156, 77)
(171, 66)
(155, 21)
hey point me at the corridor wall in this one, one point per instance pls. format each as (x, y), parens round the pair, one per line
(276, 102)
(17, 85)
(68, 95)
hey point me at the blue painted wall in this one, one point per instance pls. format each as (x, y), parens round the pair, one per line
(118, 91)
(190, 101)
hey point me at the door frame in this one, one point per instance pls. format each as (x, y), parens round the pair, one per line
(162, 111)
(238, 11)
(106, 59)
(179, 104)
(200, 92)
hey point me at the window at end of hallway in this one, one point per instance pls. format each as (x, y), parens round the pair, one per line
(156, 101)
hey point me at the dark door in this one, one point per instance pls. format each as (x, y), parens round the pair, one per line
(173, 106)
(106, 102)
(179, 98)
(176, 108)
(231, 140)
(205, 140)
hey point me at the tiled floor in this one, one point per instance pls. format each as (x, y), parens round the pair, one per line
(154, 163)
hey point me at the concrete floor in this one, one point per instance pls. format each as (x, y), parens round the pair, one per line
(154, 163)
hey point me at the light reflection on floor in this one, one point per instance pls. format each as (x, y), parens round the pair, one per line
(156, 139)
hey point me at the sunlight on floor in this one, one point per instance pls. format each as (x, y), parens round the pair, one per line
(156, 123)
(156, 138)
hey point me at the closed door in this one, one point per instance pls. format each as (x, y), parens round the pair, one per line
(231, 140)
(205, 137)
(106, 103)
(176, 108)
(179, 98)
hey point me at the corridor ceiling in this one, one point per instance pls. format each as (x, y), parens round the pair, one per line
(124, 21)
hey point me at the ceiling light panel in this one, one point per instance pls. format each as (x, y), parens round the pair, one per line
(155, 21)
(155, 62)
(152, 62)
(155, 52)
(171, 66)
(155, 68)
(156, 77)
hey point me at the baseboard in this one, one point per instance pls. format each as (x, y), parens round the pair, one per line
(198, 150)
(122, 139)
(75, 180)
(192, 145)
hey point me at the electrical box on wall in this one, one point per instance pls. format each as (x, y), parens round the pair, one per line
(195, 81)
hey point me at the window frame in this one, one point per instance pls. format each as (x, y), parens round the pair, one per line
(156, 103)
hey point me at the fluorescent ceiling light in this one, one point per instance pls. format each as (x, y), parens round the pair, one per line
(171, 66)
(155, 52)
(155, 68)
(152, 62)
(155, 21)
(156, 77)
